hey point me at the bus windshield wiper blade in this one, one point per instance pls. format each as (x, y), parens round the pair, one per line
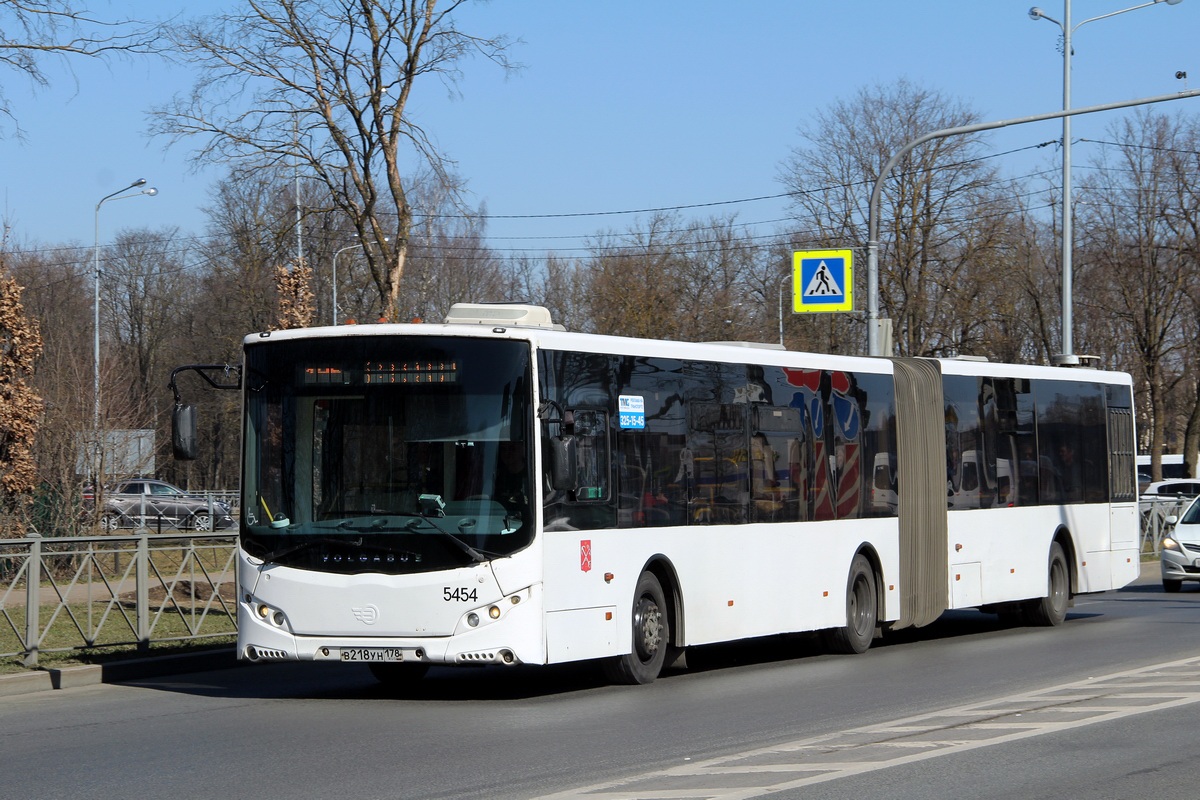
(469, 551)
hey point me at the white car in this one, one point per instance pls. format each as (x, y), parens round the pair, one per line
(1181, 550)
(1168, 496)
(1188, 487)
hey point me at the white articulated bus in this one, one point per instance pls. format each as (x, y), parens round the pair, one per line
(496, 490)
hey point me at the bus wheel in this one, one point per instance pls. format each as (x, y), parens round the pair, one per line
(398, 675)
(1052, 609)
(861, 612)
(651, 636)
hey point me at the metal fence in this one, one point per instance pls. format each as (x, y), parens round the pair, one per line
(84, 592)
(1158, 518)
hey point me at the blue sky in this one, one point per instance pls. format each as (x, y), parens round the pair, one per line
(622, 105)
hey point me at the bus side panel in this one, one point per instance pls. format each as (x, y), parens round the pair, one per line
(1009, 547)
(1126, 557)
(1012, 544)
(754, 580)
(1125, 526)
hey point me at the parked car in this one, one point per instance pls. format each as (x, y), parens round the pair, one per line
(142, 502)
(1181, 549)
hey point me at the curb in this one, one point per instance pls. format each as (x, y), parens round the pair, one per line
(116, 671)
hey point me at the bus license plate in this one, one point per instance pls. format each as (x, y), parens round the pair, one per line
(373, 654)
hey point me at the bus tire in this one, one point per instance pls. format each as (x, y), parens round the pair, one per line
(398, 675)
(861, 611)
(651, 635)
(1051, 610)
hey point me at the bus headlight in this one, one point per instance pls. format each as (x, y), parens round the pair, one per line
(268, 614)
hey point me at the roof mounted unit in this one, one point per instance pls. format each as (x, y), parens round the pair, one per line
(760, 345)
(516, 315)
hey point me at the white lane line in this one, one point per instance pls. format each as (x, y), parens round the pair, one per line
(830, 757)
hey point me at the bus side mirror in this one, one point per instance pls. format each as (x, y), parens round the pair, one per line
(564, 465)
(183, 432)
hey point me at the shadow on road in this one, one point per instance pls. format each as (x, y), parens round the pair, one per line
(443, 684)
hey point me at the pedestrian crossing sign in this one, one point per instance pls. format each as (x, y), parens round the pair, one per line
(822, 281)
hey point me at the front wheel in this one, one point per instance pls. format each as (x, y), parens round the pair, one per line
(202, 522)
(861, 611)
(651, 636)
(1051, 610)
(1172, 586)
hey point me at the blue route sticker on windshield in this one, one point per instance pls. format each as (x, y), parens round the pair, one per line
(631, 409)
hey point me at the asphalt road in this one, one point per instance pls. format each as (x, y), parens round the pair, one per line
(1103, 706)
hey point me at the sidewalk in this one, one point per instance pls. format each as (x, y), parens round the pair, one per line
(41, 680)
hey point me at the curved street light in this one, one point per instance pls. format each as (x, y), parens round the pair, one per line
(782, 281)
(1068, 356)
(335, 281)
(335, 257)
(117, 195)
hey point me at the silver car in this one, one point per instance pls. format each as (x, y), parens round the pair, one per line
(142, 502)
(1181, 550)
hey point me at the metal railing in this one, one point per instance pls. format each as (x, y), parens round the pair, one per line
(83, 592)
(1158, 515)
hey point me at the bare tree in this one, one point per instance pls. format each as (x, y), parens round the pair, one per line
(554, 282)
(674, 280)
(250, 231)
(942, 212)
(32, 31)
(144, 280)
(324, 86)
(1134, 269)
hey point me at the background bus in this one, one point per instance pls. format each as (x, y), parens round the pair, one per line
(1173, 467)
(496, 490)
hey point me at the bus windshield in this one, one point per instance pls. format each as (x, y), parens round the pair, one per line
(387, 454)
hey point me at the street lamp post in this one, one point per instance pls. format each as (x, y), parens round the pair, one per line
(784, 280)
(1068, 357)
(117, 195)
(335, 256)
(335, 280)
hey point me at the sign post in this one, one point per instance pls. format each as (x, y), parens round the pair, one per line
(822, 281)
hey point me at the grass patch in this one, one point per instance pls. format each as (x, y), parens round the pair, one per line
(108, 655)
(106, 630)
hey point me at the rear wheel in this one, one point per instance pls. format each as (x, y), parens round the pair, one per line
(1051, 610)
(861, 611)
(651, 636)
(110, 522)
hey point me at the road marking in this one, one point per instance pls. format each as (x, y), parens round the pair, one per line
(820, 759)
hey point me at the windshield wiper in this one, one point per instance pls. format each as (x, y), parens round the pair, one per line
(415, 521)
(471, 552)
